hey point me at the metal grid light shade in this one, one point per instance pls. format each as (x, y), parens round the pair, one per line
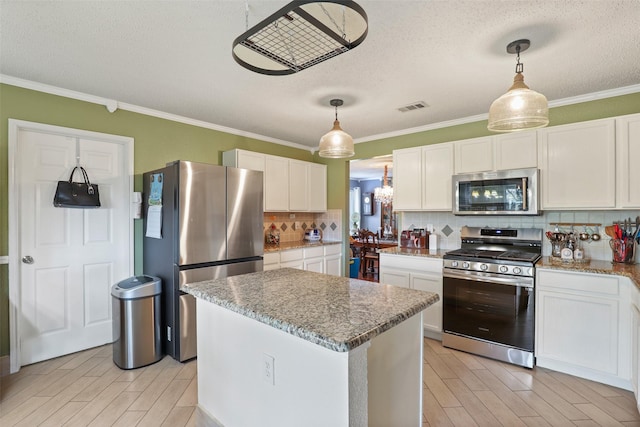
(336, 143)
(300, 35)
(519, 109)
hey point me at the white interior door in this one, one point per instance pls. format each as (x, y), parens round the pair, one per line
(69, 258)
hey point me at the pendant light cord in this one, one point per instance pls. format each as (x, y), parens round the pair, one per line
(519, 65)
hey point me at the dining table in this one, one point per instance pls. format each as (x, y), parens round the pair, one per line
(355, 242)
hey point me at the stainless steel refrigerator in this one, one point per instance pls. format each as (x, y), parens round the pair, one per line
(201, 222)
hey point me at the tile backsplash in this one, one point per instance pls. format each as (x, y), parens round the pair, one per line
(448, 226)
(293, 225)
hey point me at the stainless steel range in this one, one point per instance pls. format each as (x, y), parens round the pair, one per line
(488, 293)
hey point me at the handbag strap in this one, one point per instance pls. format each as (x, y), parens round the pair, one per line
(84, 174)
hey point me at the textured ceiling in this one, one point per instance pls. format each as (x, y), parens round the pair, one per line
(175, 57)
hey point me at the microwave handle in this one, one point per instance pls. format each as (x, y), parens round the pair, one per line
(525, 194)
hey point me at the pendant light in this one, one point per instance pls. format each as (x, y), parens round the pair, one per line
(336, 144)
(520, 108)
(384, 194)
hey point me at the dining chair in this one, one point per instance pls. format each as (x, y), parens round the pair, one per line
(370, 252)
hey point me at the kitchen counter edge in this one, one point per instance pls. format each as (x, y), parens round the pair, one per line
(632, 271)
(427, 253)
(298, 245)
(280, 284)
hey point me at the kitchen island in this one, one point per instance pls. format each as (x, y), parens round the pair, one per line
(288, 347)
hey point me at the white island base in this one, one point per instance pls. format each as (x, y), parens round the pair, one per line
(378, 383)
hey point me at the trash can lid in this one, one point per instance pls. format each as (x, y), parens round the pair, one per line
(137, 287)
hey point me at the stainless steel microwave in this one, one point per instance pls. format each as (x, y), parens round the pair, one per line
(508, 192)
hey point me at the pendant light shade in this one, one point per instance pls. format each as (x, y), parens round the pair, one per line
(336, 143)
(520, 108)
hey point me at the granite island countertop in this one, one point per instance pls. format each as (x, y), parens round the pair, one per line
(334, 312)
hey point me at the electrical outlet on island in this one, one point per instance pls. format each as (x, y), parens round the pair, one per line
(268, 369)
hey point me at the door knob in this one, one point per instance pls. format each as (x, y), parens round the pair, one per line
(27, 259)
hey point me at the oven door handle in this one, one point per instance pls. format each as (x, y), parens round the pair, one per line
(523, 282)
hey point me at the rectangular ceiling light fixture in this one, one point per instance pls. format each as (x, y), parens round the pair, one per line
(300, 35)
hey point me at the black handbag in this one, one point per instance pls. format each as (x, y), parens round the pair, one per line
(71, 194)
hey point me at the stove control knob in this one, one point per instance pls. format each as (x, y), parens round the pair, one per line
(465, 265)
(484, 267)
(517, 270)
(504, 269)
(454, 263)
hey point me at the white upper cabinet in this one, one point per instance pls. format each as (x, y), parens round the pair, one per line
(289, 185)
(422, 178)
(298, 186)
(407, 179)
(628, 161)
(276, 177)
(577, 165)
(437, 166)
(516, 150)
(317, 193)
(474, 155)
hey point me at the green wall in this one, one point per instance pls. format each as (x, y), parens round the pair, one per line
(338, 170)
(158, 141)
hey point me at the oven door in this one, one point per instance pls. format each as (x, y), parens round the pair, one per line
(490, 307)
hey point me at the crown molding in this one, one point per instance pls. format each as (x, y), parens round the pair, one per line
(626, 90)
(113, 105)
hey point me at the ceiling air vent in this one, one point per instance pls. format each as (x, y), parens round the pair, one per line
(413, 106)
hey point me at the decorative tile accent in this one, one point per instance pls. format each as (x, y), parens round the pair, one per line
(304, 226)
(333, 226)
(284, 227)
(313, 225)
(323, 226)
(447, 230)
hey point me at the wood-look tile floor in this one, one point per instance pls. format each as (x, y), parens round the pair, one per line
(86, 388)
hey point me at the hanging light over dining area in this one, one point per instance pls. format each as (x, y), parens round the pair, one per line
(384, 194)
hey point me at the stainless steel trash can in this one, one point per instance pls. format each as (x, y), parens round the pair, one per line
(136, 321)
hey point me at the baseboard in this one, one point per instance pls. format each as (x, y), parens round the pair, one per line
(205, 419)
(5, 365)
(432, 334)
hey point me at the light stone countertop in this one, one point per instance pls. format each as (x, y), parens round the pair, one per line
(297, 244)
(334, 312)
(427, 253)
(631, 271)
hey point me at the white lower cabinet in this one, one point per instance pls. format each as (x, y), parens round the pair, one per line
(292, 258)
(314, 259)
(635, 342)
(421, 273)
(271, 261)
(583, 325)
(320, 259)
(333, 260)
